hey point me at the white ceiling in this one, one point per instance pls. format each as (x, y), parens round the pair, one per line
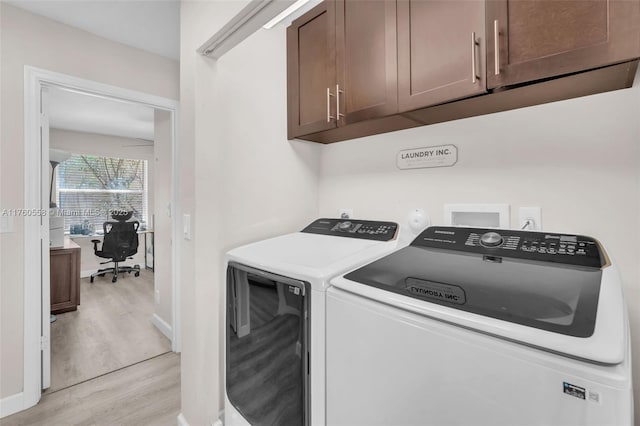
(85, 113)
(151, 25)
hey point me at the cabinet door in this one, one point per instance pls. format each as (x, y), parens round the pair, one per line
(535, 39)
(64, 281)
(440, 51)
(311, 71)
(366, 59)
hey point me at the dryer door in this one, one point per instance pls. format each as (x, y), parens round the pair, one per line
(266, 346)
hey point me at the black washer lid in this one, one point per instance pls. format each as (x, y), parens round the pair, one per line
(444, 266)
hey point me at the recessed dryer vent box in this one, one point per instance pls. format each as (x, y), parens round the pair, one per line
(480, 215)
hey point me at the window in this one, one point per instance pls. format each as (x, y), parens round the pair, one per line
(91, 187)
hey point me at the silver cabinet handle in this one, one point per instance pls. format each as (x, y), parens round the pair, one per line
(474, 43)
(496, 47)
(338, 113)
(329, 116)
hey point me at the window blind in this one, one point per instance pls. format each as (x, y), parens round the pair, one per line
(91, 187)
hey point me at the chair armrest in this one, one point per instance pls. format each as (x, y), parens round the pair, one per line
(95, 241)
(95, 245)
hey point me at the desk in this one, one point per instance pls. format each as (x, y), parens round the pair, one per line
(64, 264)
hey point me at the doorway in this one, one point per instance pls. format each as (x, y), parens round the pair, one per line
(109, 158)
(37, 333)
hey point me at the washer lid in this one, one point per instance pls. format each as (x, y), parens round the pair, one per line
(571, 310)
(310, 257)
(556, 292)
(546, 296)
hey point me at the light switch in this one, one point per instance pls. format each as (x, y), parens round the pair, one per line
(6, 224)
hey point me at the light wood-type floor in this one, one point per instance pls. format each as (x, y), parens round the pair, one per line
(110, 330)
(147, 393)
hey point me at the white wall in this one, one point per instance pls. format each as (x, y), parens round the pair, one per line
(578, 159)
(250, 182)
(27, 39)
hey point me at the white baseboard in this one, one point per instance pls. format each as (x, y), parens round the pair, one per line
(11, 404)
(182, 421)
(219, 422)
(162, 326)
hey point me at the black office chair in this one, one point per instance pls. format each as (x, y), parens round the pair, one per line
(119, 244)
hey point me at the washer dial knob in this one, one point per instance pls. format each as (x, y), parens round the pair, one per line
(344, 226)
(491, 239)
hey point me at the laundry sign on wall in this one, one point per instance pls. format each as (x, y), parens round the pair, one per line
(431, 156)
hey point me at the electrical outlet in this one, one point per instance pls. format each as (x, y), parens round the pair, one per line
(530, 218)
(346, 213)
(157, 297)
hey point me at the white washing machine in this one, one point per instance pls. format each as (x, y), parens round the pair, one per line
(275, 323)
(480, 327)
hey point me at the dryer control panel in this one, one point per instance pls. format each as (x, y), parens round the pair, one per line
(497, 243)
(353, 228)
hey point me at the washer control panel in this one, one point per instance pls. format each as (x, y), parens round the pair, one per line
(497, 243)
(352, 228)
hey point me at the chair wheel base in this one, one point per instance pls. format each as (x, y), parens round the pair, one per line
(117, 271)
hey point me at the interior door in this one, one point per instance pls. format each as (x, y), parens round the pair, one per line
(44, 240)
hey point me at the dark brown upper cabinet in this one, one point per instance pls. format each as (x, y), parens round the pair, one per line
(531, 40)
(341, 65)
(441, 51)
(363, 67)
(311, 71)
(367, 64)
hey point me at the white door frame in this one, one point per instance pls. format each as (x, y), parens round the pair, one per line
(36, 226)
(45, 288)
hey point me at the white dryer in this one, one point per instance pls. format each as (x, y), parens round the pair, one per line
(275, 319)
(481, 327)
